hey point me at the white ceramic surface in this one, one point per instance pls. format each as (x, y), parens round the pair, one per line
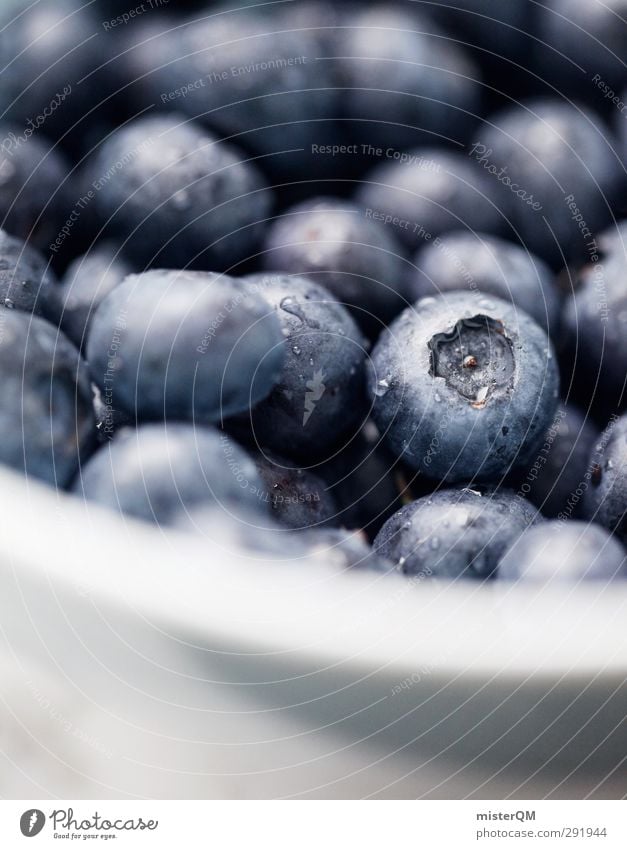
(139, 663)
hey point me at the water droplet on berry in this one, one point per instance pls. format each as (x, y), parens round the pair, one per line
(382, 387)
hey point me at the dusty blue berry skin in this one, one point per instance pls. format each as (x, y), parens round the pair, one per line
(319, 396)
(555, 479)
(365, 481)
(263, 85)
(454, 533)
(434, 192)
(573, 35)
(46, 413)
(570, 552)
(333, 243)
(594, 327)
(85, 284)
(46, 50)
(405, 80)
(605, 501)
(464, 387)
(478, 261)
(26, 282)
(554, 155)
(622, 131)
(185, 345)
(497, 27)
(173, 194)
(158, 470)
(298, 498)
(35, 187)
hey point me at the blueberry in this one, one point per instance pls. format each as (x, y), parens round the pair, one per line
(605, 500)
(594, 339)
(299, 498)
(184, 345)
(555, 552)
(454, 533)
(174, 193)
(498, 28)
(157, 470)
(55, 69)
(429, 193)
(557, 173)
(86, 282)
(46, 414)
(405, 80)
(249, 78)
(34, 186)
(365, 481)
(332, 242)
(319, 396)
(592, 35)
(478, 261)
(621, 124)
(464, 387)
(556, 477)
(26, 281)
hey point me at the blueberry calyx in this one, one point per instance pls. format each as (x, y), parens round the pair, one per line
(475, 358)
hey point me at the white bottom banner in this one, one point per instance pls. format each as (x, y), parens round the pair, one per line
(315, 824)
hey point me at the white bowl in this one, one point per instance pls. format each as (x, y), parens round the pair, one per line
(136, 662)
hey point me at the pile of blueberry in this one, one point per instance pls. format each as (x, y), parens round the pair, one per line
(336, 279)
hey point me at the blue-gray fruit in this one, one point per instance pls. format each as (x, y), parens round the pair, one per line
(332, 242)
(46, 415)
(557, 172)
(556, 478)
(26, 281)
(298, 498)
(475, 261)
(594, 325)
(187, 345)
(429, 192)
(464, 386)
(319, 395)
(85, 284)
(605, 501)
(454, 533)
(555, 552)
(173, 194)
(158, 470)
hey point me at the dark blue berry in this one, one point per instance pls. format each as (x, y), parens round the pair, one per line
(464, 386)
(186, 345)
(454, 533)
(556, 552)
(46, 414)
(157, 470)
